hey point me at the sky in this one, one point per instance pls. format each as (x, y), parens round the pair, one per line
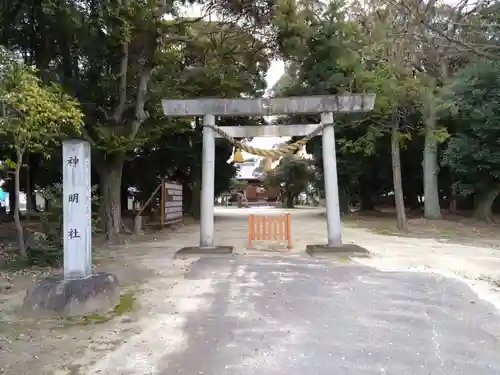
(274, 73)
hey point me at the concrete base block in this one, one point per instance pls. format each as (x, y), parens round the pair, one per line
(198, 251)
(53, 295)
(338, 251)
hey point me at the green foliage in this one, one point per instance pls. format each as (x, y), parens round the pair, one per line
(347, 49)
(218, 60)
(119, 59)
(328, 67)
(473, 153)
(236, 184)
(8, 164)
(292, 176)
(36, 114)
(48, 251)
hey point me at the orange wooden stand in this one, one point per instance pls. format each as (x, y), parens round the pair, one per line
(269, 227)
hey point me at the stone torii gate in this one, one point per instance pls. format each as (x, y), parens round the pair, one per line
(326, 105)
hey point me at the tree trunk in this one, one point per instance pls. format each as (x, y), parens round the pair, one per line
(17, 191)
(366, 203)
(195, 204)
(124, 197)
(397, 180)
(453, 204)
(110, 170)
(432, 209)
(239, 200)
(33, 163)
(344, 202)
(411, 196)
(12, 196)
(452, 198)
(288, 200)
(28, 191)
(484, 204)
(366, 196)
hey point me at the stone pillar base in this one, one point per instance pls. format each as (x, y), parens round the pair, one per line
(53, 295)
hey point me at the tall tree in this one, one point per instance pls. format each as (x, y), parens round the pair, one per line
(435, 59)
(389, 73)
(34, 116)
(105, 52)
(219, 60)
(473, 152)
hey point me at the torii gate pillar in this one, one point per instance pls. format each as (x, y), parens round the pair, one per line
(326, 105)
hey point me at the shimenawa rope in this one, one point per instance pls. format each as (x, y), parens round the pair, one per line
(270, 153)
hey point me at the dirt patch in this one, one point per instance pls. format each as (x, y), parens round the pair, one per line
(457, 229)
(50, 346)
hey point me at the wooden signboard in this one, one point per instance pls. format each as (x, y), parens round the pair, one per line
(171, 202)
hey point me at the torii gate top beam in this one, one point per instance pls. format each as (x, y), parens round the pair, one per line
(269, 106)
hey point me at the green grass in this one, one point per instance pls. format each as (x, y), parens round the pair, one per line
(344, 259)
(444, 233)
(126, 304)
(383, 231)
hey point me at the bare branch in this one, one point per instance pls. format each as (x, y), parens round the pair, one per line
(456, 41)
(423, 19)
(103, 111)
